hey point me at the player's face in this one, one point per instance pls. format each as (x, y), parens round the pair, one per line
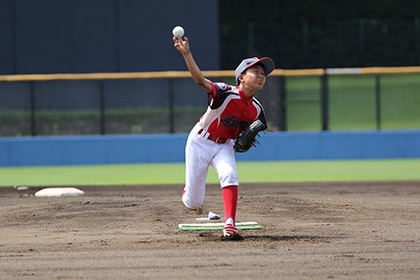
(255, 77)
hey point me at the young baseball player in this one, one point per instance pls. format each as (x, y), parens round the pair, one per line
(231, 109)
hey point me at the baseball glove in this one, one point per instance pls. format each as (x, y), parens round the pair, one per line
(247, 139)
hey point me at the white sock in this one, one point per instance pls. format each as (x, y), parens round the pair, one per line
(229, 221)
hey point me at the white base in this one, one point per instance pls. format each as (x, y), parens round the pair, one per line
(59, 192)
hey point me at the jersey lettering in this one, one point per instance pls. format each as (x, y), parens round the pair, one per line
(232, 121)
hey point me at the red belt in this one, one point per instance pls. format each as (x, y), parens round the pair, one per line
(213, 138)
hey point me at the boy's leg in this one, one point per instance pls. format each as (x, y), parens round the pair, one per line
(230, 201)
(225, 165)
(197, 161)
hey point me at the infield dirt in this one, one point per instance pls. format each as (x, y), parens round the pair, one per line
(339, 230)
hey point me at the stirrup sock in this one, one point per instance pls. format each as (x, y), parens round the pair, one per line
(230, 201)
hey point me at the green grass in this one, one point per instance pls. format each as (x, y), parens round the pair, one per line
(279, 171)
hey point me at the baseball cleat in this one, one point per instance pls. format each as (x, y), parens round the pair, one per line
(199, 210)
(230, 232)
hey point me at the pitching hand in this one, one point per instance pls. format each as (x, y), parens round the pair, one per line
(182, 46)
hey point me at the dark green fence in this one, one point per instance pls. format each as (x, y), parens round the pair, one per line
(327, 43)
(294, 100)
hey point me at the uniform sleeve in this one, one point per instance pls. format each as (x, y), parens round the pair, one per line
(261, 115)
(220, 91)
(262, 118)
(214, 92)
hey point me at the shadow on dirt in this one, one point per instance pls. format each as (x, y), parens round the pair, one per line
(287, 238)
(210, 236)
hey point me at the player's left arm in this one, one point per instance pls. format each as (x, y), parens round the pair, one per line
(184, 48)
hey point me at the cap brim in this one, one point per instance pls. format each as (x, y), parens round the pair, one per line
(268, 64)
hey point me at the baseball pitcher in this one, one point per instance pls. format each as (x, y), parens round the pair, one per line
(233, 113)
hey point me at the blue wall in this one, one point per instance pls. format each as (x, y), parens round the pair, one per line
(32, 151)
(79, 36)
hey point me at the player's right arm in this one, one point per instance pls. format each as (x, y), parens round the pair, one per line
(184, 48)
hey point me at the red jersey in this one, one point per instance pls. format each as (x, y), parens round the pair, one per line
(230, 111)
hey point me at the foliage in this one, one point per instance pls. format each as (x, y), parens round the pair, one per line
(321, 34)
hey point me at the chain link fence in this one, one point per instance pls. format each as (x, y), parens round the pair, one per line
(293, 102)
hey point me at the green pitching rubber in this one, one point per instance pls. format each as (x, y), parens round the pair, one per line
(217, 226)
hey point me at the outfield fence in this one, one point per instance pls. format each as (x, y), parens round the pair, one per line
(371, 98)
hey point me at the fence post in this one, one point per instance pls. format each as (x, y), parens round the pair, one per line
(101, 107)
(283, 107)
(32, 104)
(324, 102)
(171, 106)
(378, 100)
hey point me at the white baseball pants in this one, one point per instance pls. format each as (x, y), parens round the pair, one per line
(200, 153)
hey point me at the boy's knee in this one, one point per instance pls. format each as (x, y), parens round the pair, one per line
(190, 201)
(228, 179)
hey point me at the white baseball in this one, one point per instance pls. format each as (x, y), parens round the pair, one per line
(178, 31)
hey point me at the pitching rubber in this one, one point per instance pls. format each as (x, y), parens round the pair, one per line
(218, 226)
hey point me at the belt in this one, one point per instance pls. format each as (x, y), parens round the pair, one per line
(213, 138)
